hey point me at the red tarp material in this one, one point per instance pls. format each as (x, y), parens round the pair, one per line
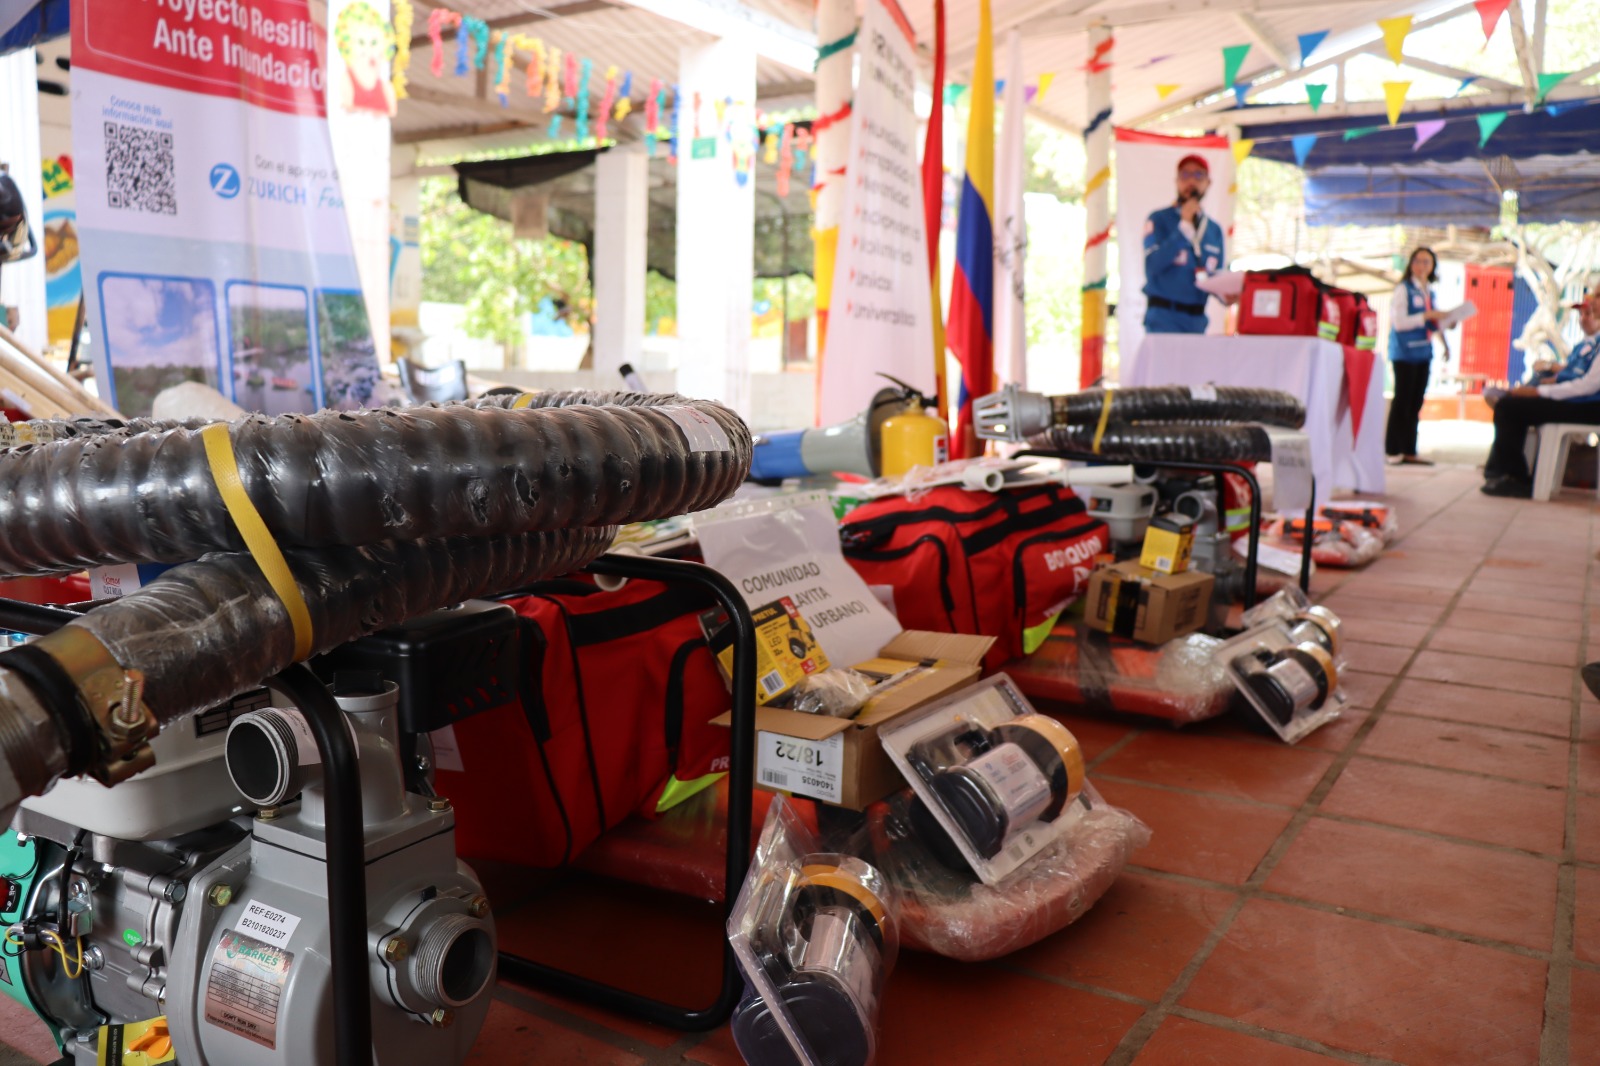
(1178, 681)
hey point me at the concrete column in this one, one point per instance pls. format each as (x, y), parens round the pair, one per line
(621, 232)
(716, 226)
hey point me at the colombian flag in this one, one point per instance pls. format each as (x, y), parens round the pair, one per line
(971, 329)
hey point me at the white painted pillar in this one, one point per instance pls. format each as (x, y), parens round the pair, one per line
(716, 226)
(621, 233)
(22, 284)
(405, 223)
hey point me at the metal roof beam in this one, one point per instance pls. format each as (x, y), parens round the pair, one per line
(1162, 11)
(1259, 34)
(1416, 110)
(958, 54)
(510, 22)
(771, 38)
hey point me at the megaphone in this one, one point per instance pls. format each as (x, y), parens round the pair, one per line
(852, 447)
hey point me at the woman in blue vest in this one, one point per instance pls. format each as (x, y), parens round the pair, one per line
(1413, 323)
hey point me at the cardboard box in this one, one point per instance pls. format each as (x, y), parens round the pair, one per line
(1130, 600)
(1168, 543)
(839, 760)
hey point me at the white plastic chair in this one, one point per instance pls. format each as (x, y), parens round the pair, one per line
(1555, 438)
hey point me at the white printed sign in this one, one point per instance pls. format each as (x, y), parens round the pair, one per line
(790, 547)
(812, 768)
(1291, 469)
(268, 924)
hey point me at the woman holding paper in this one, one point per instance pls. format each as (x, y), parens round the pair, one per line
(1413, 324)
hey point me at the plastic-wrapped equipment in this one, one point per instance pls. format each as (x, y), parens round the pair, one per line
(816, 936)
(1014, 415)
(1288, 672)
(945, 911)
(1181, 681)
(1335, 543)
(837, 692)
(378, 516)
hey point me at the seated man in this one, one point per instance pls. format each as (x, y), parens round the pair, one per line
(1571, 395)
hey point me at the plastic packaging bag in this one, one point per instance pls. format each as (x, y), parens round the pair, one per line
(1181, 681)
(816, 936)
(837, 693)
(1288, 672)
(945, 911)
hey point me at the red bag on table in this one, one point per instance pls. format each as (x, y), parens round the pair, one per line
(1347, 318)
(981, 563)
(1284, 302)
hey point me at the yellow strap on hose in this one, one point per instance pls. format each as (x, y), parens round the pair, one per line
(258, 539)
(522, 401)
(1105, 416)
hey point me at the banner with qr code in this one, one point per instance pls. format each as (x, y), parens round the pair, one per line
(213, 238)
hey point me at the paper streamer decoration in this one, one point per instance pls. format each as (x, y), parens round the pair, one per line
(606, 100)
(1241, 150)
(785, 160)
(404, 16)
(652, 115)
(1490, 11)
(569, 86)
(677, 123)
(502, 66)
(1359, 132)
(1302, 147)
(438, 19)
(1164, 91)
(1394, 95)
(625, 104)
(1314, 92)
(1487, 124)
(1426, 131)
(1548, 82)
(555, 127)
(1394, 35)
(463, 50)
(1309, 43)
(581, 121)
(1232, 60)
(535, 67)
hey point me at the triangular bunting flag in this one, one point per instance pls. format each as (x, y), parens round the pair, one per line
(1045, 81)
(1315, 91)
(1232, 60)
(952, 93)
(1302, 147)
(1394, 35)
(1029, 93)
(1426, 131)
(1394, 94)
(1000, 87)
(1239, 93)
(1487, 124)
(1309, 43)
(1490, 11)
(1555, 109)
(1466, 83)
(1548, 82)
(1241, 149)
(1359, 132)
(1164, 91)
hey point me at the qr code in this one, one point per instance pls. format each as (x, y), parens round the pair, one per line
(139, 170)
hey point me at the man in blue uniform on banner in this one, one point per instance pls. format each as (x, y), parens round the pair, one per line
(1181, 244)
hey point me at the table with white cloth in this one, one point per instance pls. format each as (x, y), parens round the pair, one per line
(1344, 414)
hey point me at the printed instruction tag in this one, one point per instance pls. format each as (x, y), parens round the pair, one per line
(447, 750)
(268, 923)
(1291, 469)
(812, 768)
(245, 987)
(1206, 392)
(699, 429)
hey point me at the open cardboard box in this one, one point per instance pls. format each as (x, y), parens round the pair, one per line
(840, 760)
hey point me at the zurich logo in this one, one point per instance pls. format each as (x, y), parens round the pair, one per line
(225, 181)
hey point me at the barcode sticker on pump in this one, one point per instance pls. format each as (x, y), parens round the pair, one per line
(699, 429)
(812, 768)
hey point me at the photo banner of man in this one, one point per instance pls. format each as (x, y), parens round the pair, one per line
(1149, 187)
(215, 246)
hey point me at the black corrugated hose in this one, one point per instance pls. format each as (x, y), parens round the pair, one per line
(1168, 443)
(1179, 403)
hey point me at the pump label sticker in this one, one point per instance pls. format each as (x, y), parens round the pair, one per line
(699, 429)
(812, 768)
(268, 923)
(246, 986)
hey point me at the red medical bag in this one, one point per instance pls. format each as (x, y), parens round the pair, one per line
(1347, 318)
(1285, 302)
(619, 694)
(990, 564)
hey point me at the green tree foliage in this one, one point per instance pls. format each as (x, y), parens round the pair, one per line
(471, 258)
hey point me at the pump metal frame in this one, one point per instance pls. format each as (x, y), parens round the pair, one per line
(741, 783)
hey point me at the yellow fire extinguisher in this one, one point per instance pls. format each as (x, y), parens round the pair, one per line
(914, 435)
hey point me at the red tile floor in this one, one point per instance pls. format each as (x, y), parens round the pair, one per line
(1417, 883)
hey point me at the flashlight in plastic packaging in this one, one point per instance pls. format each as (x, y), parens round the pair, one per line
(1288, 671)
(816, 936)
(994, 782)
